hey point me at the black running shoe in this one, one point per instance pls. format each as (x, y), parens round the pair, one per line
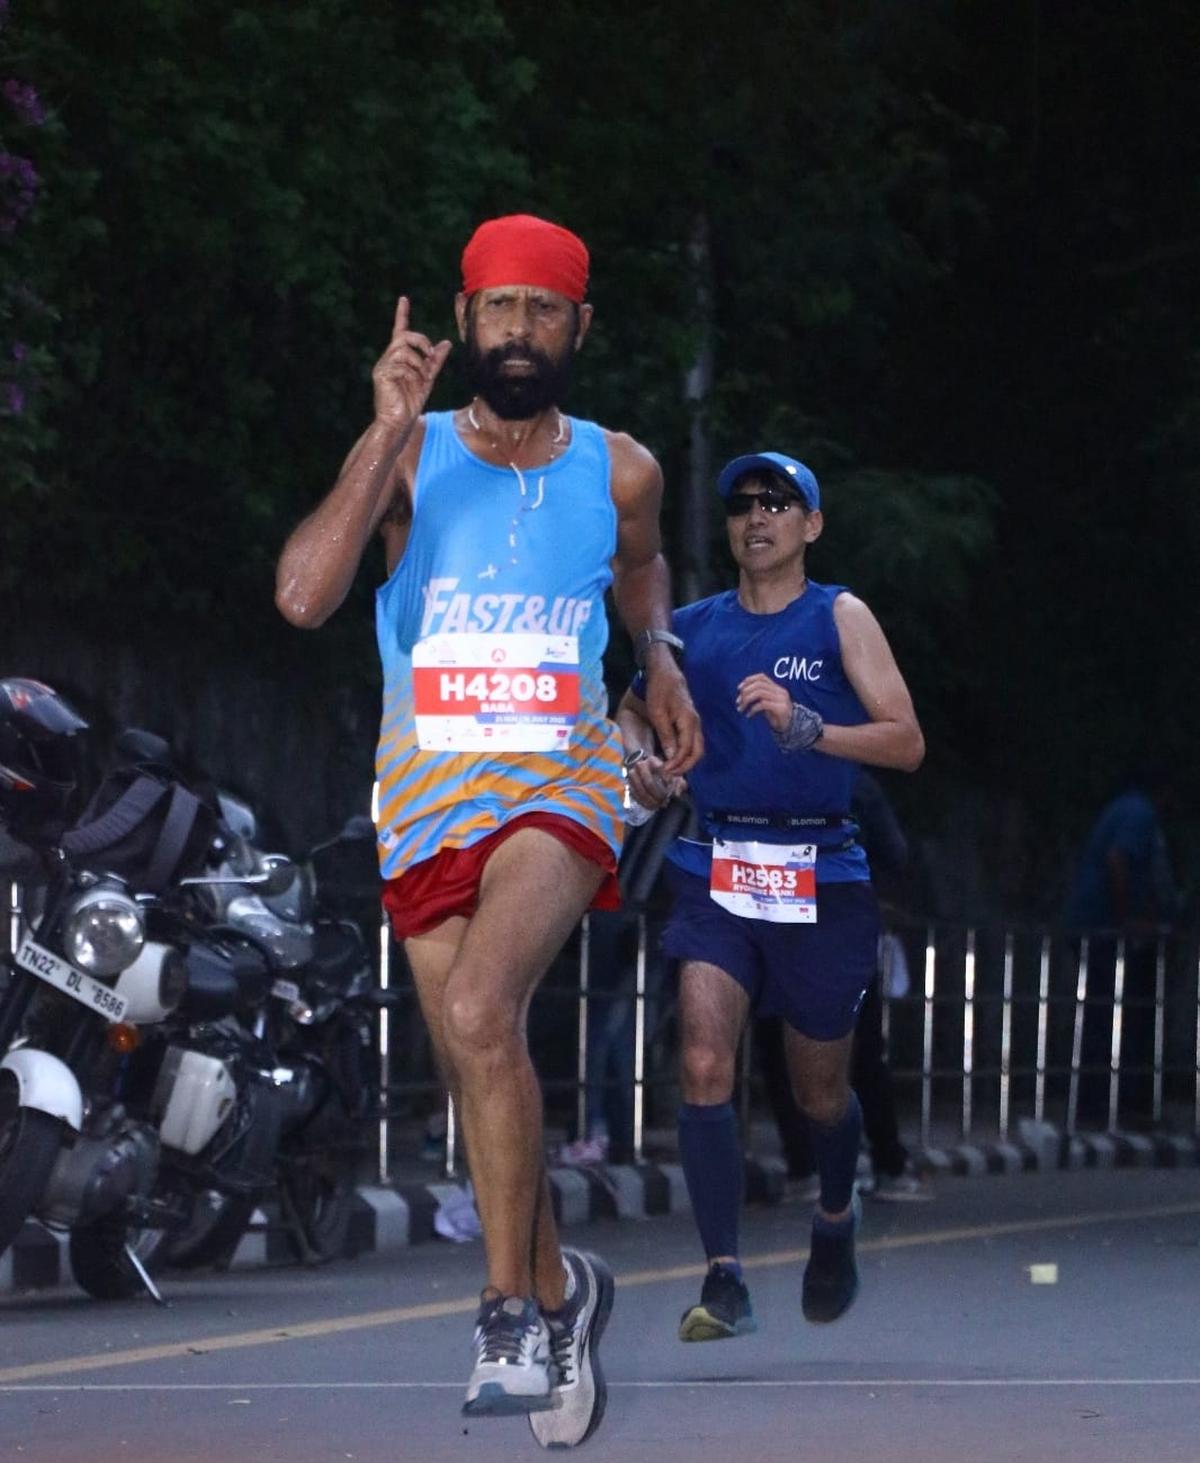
(831, 1276)
(724, 1309)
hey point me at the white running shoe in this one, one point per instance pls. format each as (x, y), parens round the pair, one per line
(512, 1359)
(579, 1390)
(583, 1151)
(907, 1186)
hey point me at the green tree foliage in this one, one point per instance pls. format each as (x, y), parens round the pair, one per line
(830, 194)
(251, 185)
(28, 138)
(1061, 366)
(263, 179)
(945, 252)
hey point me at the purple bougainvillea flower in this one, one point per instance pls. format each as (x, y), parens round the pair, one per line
(25, 101)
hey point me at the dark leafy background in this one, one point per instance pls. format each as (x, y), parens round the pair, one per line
(946, 253)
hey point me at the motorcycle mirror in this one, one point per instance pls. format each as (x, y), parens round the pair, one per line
(275, 875)
(279, 871)
(138, 745)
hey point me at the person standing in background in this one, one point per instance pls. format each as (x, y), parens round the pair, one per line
(1123, 890)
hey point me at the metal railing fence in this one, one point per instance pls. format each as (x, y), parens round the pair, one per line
(999, 1022)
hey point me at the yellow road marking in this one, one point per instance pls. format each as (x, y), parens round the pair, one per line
(434, 1310)
(928, 1237)
(202, 1346)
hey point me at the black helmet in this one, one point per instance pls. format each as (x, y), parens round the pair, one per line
(38, 756)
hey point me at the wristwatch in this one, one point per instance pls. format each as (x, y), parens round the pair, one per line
(646, 638)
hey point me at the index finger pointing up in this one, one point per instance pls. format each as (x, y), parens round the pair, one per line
(400, 324)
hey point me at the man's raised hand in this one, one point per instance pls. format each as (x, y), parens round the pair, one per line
(404, 375)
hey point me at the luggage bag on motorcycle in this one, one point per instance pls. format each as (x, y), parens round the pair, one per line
(143, 826)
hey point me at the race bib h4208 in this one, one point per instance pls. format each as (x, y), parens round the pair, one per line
(771, 881)
(495, 692)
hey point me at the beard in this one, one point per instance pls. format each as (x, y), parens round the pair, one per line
(517, 398)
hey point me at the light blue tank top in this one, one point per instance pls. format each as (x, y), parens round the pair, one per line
(493, 551)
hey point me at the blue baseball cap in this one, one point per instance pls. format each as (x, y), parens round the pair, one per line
(796, 473)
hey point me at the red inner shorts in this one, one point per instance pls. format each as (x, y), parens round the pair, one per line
(447, 884)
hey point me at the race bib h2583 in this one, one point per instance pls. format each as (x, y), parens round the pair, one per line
(771, 881)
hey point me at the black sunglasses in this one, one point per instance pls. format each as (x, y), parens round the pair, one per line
(771, 500)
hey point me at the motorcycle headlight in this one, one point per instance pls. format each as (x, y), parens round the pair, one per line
(103, 932)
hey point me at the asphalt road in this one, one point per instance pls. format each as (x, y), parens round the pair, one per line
(951, 1352)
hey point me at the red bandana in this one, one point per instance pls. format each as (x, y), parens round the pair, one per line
(521, 249)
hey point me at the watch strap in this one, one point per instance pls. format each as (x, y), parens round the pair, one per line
(646, 638)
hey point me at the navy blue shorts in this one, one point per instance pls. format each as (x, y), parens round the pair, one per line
(814, 976)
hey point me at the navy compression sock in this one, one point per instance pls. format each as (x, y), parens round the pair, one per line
(836, 1151)
(710, 1150)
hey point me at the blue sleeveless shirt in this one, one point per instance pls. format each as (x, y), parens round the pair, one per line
(494, 551)
(743, 770)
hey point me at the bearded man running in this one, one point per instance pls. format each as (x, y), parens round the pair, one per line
(499, 771)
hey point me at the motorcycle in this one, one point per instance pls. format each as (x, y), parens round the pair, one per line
(281, 996)
(85, 980)
(155, 1052)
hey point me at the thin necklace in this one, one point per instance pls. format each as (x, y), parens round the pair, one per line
(558, 437)
(527, 507)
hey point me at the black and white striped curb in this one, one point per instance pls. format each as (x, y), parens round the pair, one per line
(390, 1218)
(1041, 1147)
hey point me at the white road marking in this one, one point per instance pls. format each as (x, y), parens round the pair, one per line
(466, 1305)
(810, 1383)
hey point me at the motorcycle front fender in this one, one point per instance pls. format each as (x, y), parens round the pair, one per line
(45, 1083)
